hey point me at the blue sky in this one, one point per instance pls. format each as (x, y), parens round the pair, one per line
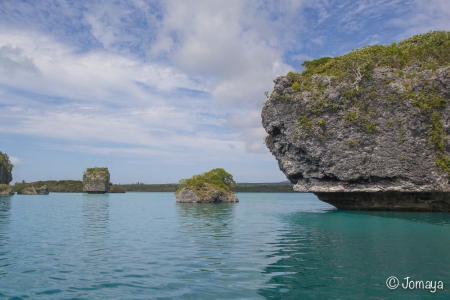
(160, 90)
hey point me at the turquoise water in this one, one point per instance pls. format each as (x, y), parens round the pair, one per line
(268, 246)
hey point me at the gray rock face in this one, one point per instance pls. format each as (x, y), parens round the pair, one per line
(96, 180)
(362, 147)
(6, 190)
(189, 196)
(5, 169)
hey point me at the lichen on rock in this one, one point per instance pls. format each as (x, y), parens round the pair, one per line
(96, 180)
(374, 120)
(210, 187)
(5, 169)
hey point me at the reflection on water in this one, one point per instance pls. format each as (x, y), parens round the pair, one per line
(207, 211)
(435, 218)
(96, 222)
(5, 207)
(208, 222)
(96, 213)
(206, 235)
(350, 255)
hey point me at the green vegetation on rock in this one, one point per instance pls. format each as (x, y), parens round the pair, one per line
(218, 179)
(430, 50)
(97, 172)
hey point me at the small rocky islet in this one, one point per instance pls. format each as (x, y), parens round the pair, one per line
(368, 130)
(210, 187)
(96, 180)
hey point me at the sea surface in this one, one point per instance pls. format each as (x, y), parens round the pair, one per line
(267, 246)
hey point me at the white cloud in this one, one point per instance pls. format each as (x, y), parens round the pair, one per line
(12, 60)
(15, 161)
(425, 15)
(228, 51)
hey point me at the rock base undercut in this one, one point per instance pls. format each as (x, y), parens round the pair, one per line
(396, 201)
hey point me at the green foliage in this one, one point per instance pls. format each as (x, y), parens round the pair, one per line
(294, 76)
(263, 188)
(296, 86)
(217, 178)
(320, 122)
(370, 127)
(372, 95)
(287, 98)
(351, 93)
(335, 106)
(313, 64)
(305, 122)
(353, 143)
(352, 116)
(428, 101)
(431, 49)
(54, 186)
(97, 172)
(281, 187)
(390, 123)
(141, 187)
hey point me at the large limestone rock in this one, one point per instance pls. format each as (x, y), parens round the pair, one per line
(6, 190)
(96, 180)
(210, 187)
(368, 130)
(5, 169)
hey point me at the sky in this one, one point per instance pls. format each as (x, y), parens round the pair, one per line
(158, 91)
